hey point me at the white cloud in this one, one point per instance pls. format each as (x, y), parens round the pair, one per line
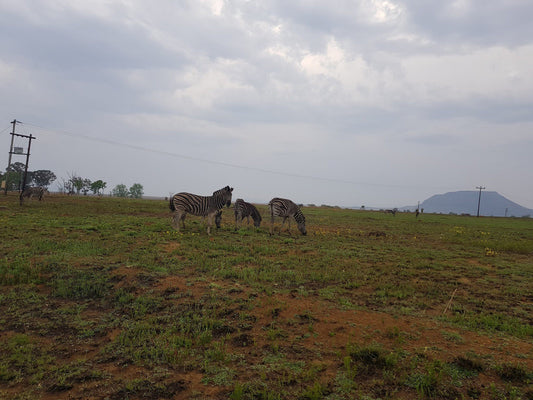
(326, 63)
(493, 72)
(215, 6)
(381, 11)
(459, 8)
(337, 90)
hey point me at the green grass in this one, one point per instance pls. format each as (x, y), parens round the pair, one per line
(367, 305)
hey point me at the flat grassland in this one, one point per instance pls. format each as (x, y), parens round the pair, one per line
(101, 299)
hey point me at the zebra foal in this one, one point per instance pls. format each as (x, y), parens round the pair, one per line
(285, 208)
(203, 206)
(243, 209)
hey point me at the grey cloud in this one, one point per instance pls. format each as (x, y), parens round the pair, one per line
(490, 22)
(233, 88)
(85, 44)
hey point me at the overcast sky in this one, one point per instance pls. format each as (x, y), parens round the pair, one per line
(368, 102)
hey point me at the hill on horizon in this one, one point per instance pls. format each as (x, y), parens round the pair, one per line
(466, 202)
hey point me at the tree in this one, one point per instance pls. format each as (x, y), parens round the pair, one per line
(97, 186)
(77, 183)
(120, 191)
(42, 177)
(66, 186)
(86, 186)
(14, 175)
(136, 191)
(17, 167)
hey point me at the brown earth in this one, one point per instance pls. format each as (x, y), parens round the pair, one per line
(315, 331)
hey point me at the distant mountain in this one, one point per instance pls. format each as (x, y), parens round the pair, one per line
(465, 202)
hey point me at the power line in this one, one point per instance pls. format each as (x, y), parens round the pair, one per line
(221, 163)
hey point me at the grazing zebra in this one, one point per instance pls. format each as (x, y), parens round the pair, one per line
(205, 206)
(286, 208)
(244, 209)
(30, 192)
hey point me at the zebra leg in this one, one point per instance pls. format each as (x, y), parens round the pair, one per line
(175, 221)
(178, 216)
(237, 219)
(271, 225)
(209, 223)
(218, 219)
(283, 224)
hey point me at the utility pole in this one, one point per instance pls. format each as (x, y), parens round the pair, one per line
(19, 151)
(14, 122)
(26, 167)
(479, 198)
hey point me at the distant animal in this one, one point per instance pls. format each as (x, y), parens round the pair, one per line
(243, 209)
(393, 212)
(29, 192)
(286, 209)
(205, 206)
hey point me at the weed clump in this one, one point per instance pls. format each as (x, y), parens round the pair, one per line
(514, 373)
(467, 364)
(368, 360)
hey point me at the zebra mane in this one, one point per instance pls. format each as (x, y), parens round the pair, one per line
(299, 216)
(222, 191)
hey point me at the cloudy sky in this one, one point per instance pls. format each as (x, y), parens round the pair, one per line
(364, 102)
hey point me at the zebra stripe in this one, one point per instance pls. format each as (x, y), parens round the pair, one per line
(205, 206)
(243, 209)
(285, 208)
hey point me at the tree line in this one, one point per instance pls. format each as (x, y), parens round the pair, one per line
(73, 184)
(15, 174)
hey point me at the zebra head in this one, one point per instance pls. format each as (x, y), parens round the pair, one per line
(301, 228)
(225, 195)
(256, 217)
(300, 219)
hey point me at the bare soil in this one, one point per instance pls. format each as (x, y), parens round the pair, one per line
(315, 330)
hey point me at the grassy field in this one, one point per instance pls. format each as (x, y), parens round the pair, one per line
(100, 299)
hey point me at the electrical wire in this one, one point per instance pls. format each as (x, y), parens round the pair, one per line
(224, 164)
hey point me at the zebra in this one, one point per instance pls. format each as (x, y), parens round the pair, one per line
(30, 192)
(243, 209)
(286, 208)
(205, 206)
(393, 212)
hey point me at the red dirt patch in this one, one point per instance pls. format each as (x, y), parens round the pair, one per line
(304, 328)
